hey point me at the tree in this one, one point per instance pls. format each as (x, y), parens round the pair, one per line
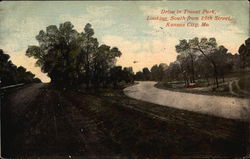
(6, 76)
(71, 58)
(244, 51)
(207, 47)
(185, 50)
(116, 75)
(223, 60)
(204, 68)
(157, 72)
(211, 60)
(57, 52)
(181, 66)
(11, 74)
(88, 48)
(139, 76)
(146, 73)
(128, 74)
(104, 59)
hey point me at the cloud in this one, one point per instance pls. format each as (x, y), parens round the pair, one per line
(147, 53)
(19, 33)
(121, 43)
(100, 11)
(143, 42)
(227, 33)
(97, 16)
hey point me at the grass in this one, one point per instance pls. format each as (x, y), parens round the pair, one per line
(120, 130)
(223, 90)
(184, 134)
(164, 85)
(201, 83)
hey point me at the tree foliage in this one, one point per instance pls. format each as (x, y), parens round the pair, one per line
(199, 59)
(11, 74)
(244, 51)
(71, 58)
(187, 56)
(156, 73)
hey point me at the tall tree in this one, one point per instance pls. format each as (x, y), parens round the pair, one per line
(207, 47)
(185, 50)
(71, 58)
(244, 51)
(57, 52)
(116, 75)
(223, 61)
(181, 66)
(154, 72)
(128, 74)
(139, 76)
(104, 59)
(11, 74)
(146, 73)
(157, 72)
(89, 48)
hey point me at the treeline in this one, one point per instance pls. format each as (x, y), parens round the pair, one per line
(11, 74)
(71, 58)
(156, 73)
(200, 59)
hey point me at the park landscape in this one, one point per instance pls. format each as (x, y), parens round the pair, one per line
(125, 80)
(195, 107)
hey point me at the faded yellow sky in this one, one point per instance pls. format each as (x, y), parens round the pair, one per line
(120, 24)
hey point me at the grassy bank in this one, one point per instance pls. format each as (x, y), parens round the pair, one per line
(181, 133)
(221, 91)
(106, 123)
(203, 87)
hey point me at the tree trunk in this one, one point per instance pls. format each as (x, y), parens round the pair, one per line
(215, 74)
(207, 81)
(214, 66)
(87, 65)
(192, 68)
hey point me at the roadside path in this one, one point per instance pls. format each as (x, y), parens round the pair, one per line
(42, 120)
(230, 84)
(226, 107)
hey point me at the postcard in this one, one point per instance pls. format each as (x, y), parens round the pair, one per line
(125, 79)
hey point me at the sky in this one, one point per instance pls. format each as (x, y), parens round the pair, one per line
(121, 24)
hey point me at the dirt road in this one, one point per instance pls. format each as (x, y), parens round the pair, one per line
(40, 120)
(226, 107)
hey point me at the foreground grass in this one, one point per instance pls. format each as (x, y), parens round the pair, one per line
(106, 123)
(178, 133)
(222, 90)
